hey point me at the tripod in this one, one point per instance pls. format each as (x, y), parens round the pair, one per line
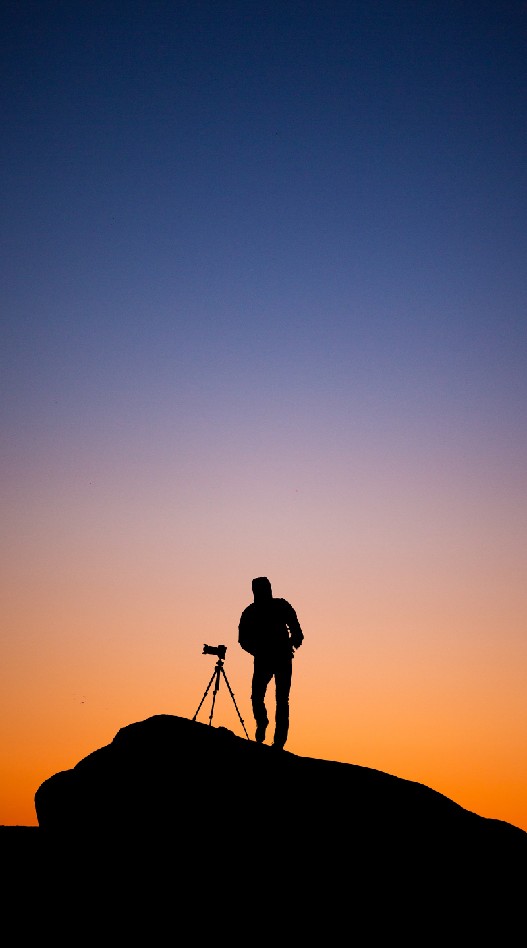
(219, 670)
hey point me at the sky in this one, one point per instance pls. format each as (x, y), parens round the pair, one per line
(264, 312)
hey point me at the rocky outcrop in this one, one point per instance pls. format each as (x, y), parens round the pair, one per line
(180, 806)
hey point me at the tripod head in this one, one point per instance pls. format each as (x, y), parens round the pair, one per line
(218, 650)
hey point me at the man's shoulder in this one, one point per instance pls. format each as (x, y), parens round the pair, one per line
(247, 611)
(284, 605)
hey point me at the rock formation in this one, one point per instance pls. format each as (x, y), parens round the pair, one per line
(179, 813)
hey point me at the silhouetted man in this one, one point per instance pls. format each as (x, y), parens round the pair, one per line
(270, 631)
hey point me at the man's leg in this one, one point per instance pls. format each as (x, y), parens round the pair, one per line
(262, 675)
(283, 687)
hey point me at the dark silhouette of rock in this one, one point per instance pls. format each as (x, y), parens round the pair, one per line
(180, 823)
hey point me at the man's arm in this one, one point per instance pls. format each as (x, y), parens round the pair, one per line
(245, 636)
(297, 636)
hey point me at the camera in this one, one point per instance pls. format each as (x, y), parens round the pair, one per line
(218, 650)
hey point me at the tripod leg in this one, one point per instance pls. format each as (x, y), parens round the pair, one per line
(216, 689)
(234, 700)
(207, 689)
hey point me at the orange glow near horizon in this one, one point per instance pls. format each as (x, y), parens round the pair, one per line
(390, 685)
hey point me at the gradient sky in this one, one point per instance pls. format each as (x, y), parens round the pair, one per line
(264, 306)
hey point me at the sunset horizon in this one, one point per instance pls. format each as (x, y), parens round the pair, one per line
(264, 308)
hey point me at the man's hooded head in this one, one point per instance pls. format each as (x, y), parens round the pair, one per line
(262, 590)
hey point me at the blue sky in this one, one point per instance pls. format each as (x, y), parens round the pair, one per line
(206, 174)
